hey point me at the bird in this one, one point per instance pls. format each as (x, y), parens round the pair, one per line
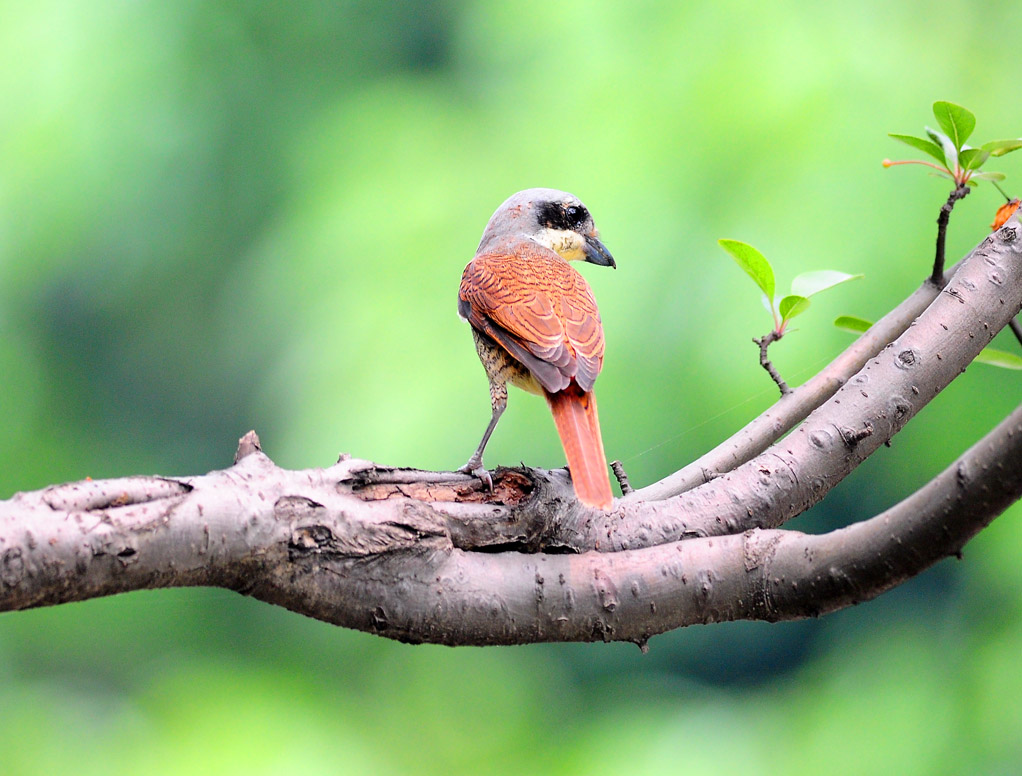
(536, 325)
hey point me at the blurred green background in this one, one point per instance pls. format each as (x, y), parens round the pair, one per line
(217, 216)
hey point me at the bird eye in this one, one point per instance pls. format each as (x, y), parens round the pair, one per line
(575, 216)
(559, 215)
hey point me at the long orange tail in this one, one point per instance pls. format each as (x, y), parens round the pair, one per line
(579, 428)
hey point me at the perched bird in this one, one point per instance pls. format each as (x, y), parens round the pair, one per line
(536, 326)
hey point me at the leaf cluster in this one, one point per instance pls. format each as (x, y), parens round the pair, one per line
(955, 159)
(803, 286)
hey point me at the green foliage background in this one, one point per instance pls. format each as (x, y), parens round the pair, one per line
(217, 216)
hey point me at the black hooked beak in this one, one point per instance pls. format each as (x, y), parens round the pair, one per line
(597, 253)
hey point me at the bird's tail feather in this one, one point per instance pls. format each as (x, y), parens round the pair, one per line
(579, 428)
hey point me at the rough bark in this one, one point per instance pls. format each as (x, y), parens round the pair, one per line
(422, 556)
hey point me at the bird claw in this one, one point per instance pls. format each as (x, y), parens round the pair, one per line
(475, 468)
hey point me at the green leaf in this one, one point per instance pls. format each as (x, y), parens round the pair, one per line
(999, 358)
(852, 323)
(791, 306)
(950, 152)
(973, 158)
(988, 175)
(809, 283)
(1002, 147)
(922, 144)
(754, 263)
(956, 121)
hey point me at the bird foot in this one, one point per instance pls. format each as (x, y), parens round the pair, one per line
(475, 468)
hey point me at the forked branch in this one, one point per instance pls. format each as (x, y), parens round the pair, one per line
(433, 557)
(764, 343)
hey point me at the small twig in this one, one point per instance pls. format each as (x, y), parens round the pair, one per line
(622, 478)
(764, 342)
(383, 475)
(960, 192)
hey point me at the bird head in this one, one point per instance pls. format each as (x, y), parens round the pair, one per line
(555, 219)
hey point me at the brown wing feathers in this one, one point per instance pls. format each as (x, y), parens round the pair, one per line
(542, 312)
(539, 306)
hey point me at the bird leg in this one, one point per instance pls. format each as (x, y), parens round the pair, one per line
(474, 465)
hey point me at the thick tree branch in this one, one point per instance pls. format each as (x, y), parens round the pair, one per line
(295, 539)
(771, 575)
(982, 296)
(423, 557)
(792, 408)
